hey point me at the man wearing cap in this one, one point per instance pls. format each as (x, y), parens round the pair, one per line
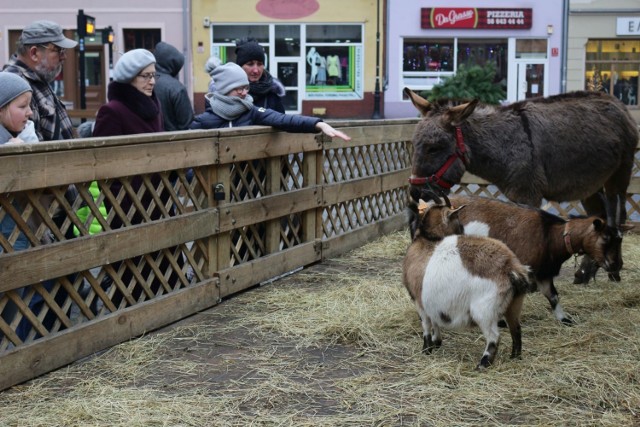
(40, 53)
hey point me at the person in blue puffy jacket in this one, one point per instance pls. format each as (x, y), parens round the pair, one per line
(232, 106)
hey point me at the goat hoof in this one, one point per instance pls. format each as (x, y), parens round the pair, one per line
(427, 350)
(502, 323)
(567, 321)
(581, 277)
(614, 277)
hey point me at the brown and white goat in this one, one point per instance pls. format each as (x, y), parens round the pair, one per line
(457, 280)
(543, 241)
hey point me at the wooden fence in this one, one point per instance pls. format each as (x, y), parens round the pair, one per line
(105, 239)
(176, 222)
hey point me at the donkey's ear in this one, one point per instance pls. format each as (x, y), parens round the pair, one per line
(458, 114)
(421, 104)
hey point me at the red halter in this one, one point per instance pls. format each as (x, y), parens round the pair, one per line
(459, 153)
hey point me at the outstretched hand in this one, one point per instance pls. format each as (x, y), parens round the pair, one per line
(330, 131)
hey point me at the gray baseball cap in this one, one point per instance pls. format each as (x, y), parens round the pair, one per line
(42, 32)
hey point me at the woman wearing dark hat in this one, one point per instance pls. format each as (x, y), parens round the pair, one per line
(265, 90)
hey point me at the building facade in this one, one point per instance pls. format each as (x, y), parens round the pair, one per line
(134, 26)
(323, 51)
(428, 41)
(604, 49)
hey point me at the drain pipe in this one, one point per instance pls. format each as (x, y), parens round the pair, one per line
(565, 46)
(187, 70)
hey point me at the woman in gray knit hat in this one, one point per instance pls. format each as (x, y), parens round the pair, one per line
(15, 110)
(231, 105)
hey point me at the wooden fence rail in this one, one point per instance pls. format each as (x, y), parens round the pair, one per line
(104, 239)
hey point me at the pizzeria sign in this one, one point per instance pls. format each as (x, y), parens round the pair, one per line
(475, 18)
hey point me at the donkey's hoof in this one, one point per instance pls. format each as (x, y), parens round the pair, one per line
(614, 277)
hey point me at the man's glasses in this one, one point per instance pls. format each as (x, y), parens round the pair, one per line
(53, 48)
(148, 76)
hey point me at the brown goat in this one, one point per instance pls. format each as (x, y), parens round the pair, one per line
(543, 241)
(457, 280)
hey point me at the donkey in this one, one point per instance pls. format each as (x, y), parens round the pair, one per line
(562, 148)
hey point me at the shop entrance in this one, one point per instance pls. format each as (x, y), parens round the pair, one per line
(531, 80)
(288, 70)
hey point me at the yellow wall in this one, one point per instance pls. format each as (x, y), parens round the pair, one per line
(244, 11)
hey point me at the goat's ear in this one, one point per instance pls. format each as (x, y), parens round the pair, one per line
(454, 212)
(422, 207)
(626, 227)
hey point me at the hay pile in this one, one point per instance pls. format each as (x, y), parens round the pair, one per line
(339, 345)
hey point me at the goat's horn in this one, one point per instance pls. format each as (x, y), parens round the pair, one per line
(608, 209)
(430, 194)
(446, 199)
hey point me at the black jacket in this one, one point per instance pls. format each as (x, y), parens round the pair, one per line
(177, 110)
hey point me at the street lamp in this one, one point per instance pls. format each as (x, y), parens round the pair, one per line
(86, 27)
(108, 37)
(376, 93)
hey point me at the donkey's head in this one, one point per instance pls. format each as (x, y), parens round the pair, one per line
(439, 152)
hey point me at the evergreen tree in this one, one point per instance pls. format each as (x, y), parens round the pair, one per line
(471, 82)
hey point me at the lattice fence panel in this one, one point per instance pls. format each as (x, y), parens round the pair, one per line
(343, 164)
(347, 216)
(42, 217)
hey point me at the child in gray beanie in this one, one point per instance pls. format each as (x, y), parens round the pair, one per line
(232, 106)
(211, 64)
(131, 63)
(15, 110)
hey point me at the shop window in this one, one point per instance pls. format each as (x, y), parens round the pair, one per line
(231, 33)
(431, 55)
(334, 34)
(287, 40)
(427, 62)
(613, 66)
(531, 48)
(141, 38)
(333, 72)
(325, 60)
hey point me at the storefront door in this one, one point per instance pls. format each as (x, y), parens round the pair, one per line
(531, 80)
(288, 71)
(94, 60)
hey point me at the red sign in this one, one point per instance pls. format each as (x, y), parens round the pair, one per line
(555, 51)
(475, 18)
